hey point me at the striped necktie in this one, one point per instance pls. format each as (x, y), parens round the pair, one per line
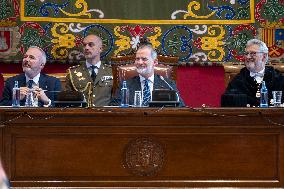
(146, 93)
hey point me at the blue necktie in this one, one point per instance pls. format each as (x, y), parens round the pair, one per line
(146, 93)
(30, 83)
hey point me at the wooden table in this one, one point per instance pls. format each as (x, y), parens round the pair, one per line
(147, 147)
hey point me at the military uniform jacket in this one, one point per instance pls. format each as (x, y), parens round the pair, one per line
(97, 93)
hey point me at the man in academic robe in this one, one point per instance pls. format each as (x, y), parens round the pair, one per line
(247, 83)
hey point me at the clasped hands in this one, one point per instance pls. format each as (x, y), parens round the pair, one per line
(37, 92)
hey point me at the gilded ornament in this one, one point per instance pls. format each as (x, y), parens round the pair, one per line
(63, 42)
(189, 13)
(79, 4)
(272, 25)
(214, 44)
(7, 23)
(123, 42)
(154, 39)
(196, 6)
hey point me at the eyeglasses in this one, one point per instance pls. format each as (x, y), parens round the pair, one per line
(251, 53)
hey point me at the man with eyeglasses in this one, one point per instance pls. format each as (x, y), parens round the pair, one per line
(247, 83)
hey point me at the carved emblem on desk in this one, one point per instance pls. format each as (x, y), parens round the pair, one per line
(143, 156)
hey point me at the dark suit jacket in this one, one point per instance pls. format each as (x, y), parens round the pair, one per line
(134, 84)
(46, 82)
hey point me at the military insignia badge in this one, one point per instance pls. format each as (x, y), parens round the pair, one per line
(79, 74)
(105, 78)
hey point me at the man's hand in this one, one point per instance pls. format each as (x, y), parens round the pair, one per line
(23, 92)
(39, 93)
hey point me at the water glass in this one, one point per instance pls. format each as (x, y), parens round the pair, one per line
(137, 99)
(29, 98)
(277, 96)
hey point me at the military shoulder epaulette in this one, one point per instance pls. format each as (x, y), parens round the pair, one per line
(75, 66)
(107, 65)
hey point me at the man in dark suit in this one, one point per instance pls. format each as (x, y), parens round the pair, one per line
(147, 81)
(43, 86)
(93, 77)
(245, 87)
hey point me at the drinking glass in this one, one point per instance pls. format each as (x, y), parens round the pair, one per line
(277, 96)
(29, 98)
(137, 99)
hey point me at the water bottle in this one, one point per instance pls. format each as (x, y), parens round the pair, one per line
(16, 95)
(124, 95)
(263, 96)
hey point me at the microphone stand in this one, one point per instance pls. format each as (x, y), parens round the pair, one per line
(162, 78)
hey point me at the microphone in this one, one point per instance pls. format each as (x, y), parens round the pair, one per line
(162, 78)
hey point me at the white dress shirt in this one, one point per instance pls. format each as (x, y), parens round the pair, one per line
(258, 76)
(98, 64)
(35, 80)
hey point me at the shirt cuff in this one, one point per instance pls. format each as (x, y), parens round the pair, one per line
(47, 105)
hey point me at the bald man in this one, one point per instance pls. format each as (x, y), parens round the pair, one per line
(93, 77)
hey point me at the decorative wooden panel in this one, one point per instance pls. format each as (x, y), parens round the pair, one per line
(144, 147)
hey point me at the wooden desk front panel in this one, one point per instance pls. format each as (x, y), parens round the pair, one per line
(56, 148)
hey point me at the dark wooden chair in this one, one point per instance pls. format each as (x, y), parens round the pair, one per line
(1, 85)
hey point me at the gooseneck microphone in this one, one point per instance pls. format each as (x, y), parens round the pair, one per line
(162, 78)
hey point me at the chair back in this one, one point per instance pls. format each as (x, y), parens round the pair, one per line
(1, 85)
(123, 68)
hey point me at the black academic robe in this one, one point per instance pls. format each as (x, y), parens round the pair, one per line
(243, 83)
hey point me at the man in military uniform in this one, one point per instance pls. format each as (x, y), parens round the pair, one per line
(93, 77)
